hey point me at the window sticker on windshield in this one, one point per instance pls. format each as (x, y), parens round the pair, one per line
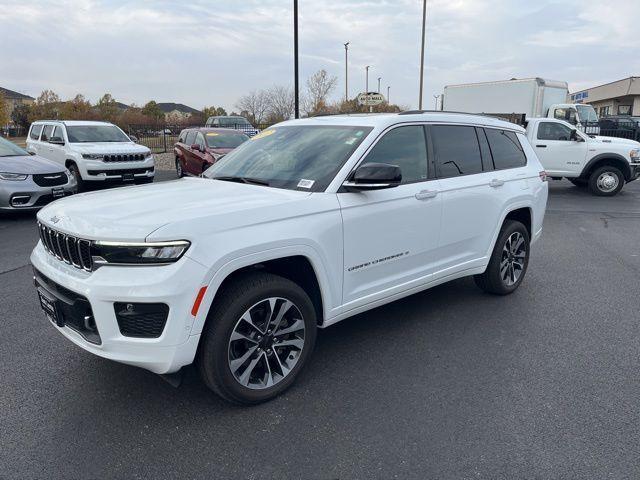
(350, 141)
(212, 134)
(305, 183)
(264, 133)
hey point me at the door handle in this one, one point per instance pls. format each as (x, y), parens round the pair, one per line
(541, 146)
(495, 183)
(426, 194)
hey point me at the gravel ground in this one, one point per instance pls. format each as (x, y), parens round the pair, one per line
(165, 161)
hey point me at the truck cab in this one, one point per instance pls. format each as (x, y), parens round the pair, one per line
(583, 117)
(604, 164)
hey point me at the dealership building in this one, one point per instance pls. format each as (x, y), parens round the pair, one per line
(615, 98)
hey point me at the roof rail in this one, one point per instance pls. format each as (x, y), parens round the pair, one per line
(517, 118)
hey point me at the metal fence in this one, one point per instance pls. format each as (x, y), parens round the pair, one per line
(162, 138)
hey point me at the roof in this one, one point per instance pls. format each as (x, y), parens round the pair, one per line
(72, 123)
(384, 120)
(14, 95)
(628, 79)
(538, 80)
(168, 107)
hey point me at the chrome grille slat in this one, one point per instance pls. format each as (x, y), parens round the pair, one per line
(67, 248)
(123, 157)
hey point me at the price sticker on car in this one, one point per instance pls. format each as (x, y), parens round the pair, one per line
(264, 133)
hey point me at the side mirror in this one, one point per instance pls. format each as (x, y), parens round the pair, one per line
(133, 138)
(56, 140)
(374, 176)
(574, 137)
(196, 147)
(32, 153)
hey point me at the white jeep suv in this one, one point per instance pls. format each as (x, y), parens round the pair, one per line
(310, 222)
(92, 151)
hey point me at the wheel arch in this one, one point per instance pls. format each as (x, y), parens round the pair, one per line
(300, 266)
(612, 159)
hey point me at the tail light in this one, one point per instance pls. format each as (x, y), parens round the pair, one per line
(543, 176)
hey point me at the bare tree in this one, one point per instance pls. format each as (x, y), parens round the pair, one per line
(319, 86)
(280, 103)
(255, 104)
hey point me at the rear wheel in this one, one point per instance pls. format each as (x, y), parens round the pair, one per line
(509, 260)
(606, 181)
(259, 335)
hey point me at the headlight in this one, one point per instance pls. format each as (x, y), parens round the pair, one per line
(93, 156)
(149, 154)
(143, 253)
(12, 176)
(635, 154)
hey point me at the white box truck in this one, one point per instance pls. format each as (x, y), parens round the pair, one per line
(533, 97)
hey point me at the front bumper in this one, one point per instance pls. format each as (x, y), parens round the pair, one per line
(27, 195)
(175, 285)
(635, 170)
(99, 171)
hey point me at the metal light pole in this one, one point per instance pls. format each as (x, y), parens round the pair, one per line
(379, 78)
(424, 23)
(436, 97)
(367, 84)
(295, 61)
(388, 101)
(346, 72)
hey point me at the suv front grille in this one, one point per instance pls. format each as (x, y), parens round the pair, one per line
(124, 157)
(72, 250)
(50, 179)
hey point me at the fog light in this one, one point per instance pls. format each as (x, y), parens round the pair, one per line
(142, 320)
(20, 200)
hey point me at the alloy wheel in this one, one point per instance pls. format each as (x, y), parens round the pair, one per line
(514, 254)
(607, 182)
(266, 343)
(178, 168)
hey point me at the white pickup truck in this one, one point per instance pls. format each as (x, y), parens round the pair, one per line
(604, 164)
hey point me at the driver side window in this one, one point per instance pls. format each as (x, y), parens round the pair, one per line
(553, 131)
(405, 147)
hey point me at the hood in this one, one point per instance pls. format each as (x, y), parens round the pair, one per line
(29, 164)
(616, 141)
(109, 147)
(133, 213)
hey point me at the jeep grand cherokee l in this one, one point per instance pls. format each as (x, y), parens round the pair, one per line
(309, 223)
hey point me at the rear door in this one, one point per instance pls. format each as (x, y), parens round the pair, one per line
(58, 152)
(197, 159)
(560, 156)
(33, 141)
(188, 152)
(43, 146)
(470, 206)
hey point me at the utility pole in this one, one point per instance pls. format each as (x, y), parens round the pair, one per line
(388, 101)
(367, 85)
(346, 72)
(379, 78)
(295, 61)
(424, 24)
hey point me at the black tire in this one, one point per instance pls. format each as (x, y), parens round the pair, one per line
(73, 168)
(599, 187)
(492, 280)
(578, 182)
(179, 170)
(230, 304)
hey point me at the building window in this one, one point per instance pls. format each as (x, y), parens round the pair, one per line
(624, 109)
(605, 111)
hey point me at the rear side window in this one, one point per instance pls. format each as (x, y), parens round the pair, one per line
(182, 137)
(35, 132)
(456, 150)
(190, 138)
(46, 133)
(506, 149)
(405, 147)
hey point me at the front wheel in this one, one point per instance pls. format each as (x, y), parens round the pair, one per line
(606, 181)
(508, 262)
(258, 336)
(75, 173)
(179, 170)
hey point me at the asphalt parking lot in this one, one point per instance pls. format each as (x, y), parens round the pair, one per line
(449, 383)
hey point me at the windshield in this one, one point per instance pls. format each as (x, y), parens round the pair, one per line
(224, 140)
(95, 134)
(9, 149)
(587, 113)
(295, 157)
(231, 121)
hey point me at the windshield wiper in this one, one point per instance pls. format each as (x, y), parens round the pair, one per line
(251, 181)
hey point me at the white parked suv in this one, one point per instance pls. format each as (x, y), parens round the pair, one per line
(92, 151)
(310, 222)
(604, 164)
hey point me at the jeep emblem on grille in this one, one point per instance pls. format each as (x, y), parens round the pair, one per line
(55, 219)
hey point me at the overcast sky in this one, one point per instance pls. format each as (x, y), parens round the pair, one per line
(209, 52)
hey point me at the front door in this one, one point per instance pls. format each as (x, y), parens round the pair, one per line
(391, 235)
(560, 156)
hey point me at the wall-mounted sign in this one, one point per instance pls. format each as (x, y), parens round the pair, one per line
(370, 99)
